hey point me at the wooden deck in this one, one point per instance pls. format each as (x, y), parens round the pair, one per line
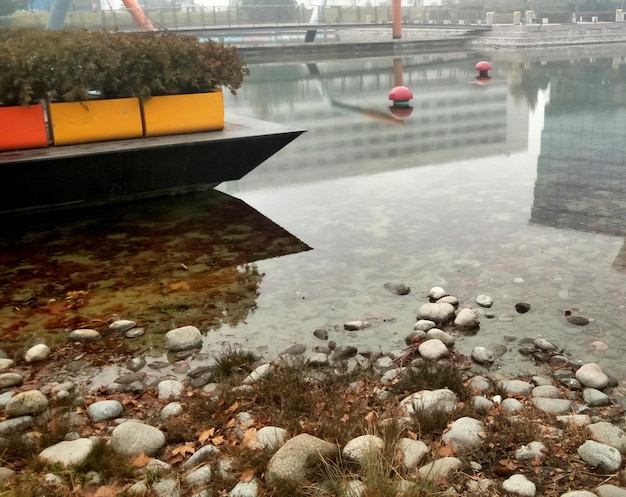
(99, 173)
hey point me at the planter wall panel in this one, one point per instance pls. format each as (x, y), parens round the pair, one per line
(95, 120)
(190, 113)
(22, 127)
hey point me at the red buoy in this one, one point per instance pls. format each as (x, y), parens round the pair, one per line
(400, 112)
(483, 68)
(400, 95)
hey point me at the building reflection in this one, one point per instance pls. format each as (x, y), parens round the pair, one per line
(342, 105)
(581, 173)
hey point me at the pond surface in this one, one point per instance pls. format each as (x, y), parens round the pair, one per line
(513, 187)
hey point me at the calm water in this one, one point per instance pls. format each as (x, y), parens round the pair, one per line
(515, 189)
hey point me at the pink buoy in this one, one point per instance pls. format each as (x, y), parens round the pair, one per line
(400, 96)
(400, 112)
(483, 68)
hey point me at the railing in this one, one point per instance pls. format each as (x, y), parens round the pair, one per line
(245, 16)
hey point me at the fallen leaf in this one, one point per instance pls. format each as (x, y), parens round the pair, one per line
(141, 460)
(246, 475)
(181, 285)
(370, 416)
(205, 435)
(250, 437)
(219, 440)
(187, 448)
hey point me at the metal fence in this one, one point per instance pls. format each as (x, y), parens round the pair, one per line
(246, 16)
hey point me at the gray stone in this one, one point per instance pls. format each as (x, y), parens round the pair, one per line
(6, 475)
(512, 405)
(575, 420)
(424, 325)
(270, 438)
(464, 434)
(430, 400)
(610, 491)
(356, 325)
(202, 455)
(484, 301)
(482, 355)
(435, 333)
(436, 292)
(361, 449)
(166, 488)
(433, 350)
(437, 312)
(29, 402)
(534, 450)
(132, 438)
(298, 457)
(318, 360)
(39, 352)
(258, 374)
(482, 404)
(105, 409)
(579, 493)
(516, 387)
(591, 375)
(186, 337)
(18, 423)
(72, 453)
(552, 406)
(8, 380)
(545, 345)
(480, 384)
(245, 489)
(609, 434)
(296, 349)
(322, 334)
(547, 392)
(440, 469)
(600, 456)
(199, 476)
(467, 318)
(84, 335)
(6, 363)
(122, 325)
(170, 389)
(595, 397)
(397, 288)
(170, 410)
(519, 485)
(411, 452)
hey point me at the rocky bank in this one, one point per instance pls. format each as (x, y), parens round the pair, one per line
(576, 451)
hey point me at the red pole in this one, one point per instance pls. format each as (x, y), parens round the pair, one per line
(396, 15)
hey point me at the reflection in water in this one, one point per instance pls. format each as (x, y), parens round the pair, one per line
(452, 116)
(163, 263)
(581, 172)
(443, 200)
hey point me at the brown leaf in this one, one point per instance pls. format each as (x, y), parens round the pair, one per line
(205, 435)
(186, 448)
(250, 437)
(219, 440)
(344, 418)
(141, 460)
(370, 416)
(246, 475)
(181, 285)
(108, 491)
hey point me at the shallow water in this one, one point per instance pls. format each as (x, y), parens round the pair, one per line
(514, 189)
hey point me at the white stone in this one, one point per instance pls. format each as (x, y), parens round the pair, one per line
(464, 434)
(436, 293)
(591, 375)
(270, 438)
(424, 325)
(411, 452)
(105, 409)
(439, 312)
(258, 374)
(441, 468)
(133, 438)
(183, 338)
(433, 350)
(72, 453)
(170, 389)
(39, 352)
(482, 355)
(29, 402)
(435, 333)
(520, 485)
(430, 400)
(84, 335)
(600, 456)
(467, 318)
(363, 449)
(484, 300)
(170, 410)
